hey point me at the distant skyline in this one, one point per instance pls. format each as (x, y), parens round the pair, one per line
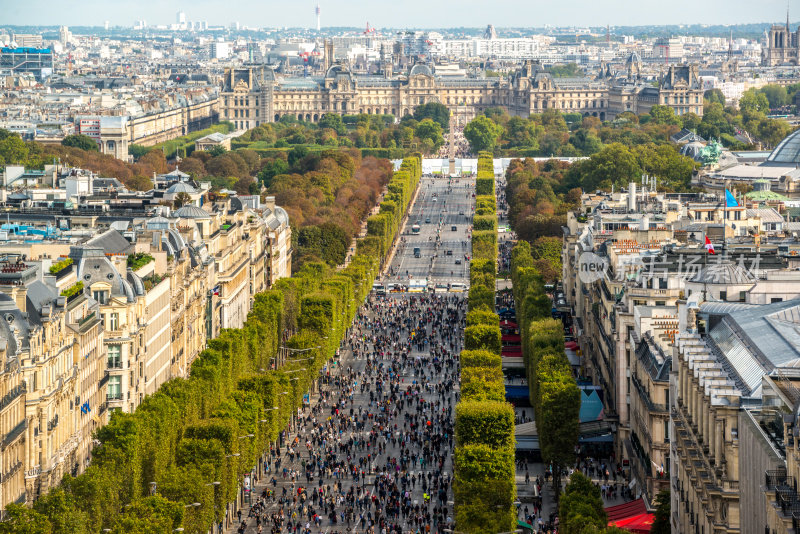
(396, 14)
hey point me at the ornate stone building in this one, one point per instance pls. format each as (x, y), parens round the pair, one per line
(782, 45)
(256, 94)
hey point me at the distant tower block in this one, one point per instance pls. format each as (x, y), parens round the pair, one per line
(318, 26)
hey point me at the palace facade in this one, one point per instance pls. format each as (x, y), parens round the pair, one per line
(256, 94)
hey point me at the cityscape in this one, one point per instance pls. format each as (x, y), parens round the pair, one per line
(294, 272)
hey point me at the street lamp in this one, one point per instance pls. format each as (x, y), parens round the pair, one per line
(215, 483)
(194, 504)
(295, 371)
(246, 436)
(236, 454)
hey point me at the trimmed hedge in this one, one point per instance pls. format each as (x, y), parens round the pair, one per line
(482, 383)
(484, 222)
(484, 485)
(480, 358)
(484, 489)
(554, 394)
(482, 336)
(485, 422)
(482, 316)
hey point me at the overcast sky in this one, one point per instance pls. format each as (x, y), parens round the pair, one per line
(397, 13)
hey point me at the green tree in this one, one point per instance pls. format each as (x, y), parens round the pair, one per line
(520, 133)
(616, 164)
(771, 131)
(334, 122)
(580, 509)
(429, 129)
(586, 142)
(435, 111)
(548, 249)
(297, 154)
(482, 133)
(777, 95)
(663, 115)
(753, 102)
(690, 121)
(13, 151)
(217, 150)
(661, 524)
(137, 151)
(20, 519)
(714, 96)
(84, 142)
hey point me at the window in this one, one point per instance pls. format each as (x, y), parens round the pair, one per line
(666, 431)
(114, 357)
(773, 300)
(723, 295)
(114, 388)
(742, 296)
(113, 321)
(100, 296)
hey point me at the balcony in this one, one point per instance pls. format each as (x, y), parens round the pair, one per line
(33, 472)
(654, 408)
(15, 433)
(110, 397)
(12, 395)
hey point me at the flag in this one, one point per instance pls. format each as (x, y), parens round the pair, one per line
(730, 200)
(709, 246)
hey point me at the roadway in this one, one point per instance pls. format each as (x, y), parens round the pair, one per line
(379, 350)
(441, 204)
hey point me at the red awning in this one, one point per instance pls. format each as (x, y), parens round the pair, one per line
(639, 524)
(511, 338)
(508, 324)
(628, 509)
(571, 345)
(511, 351)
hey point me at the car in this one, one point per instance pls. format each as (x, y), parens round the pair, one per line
(458, 261)
(461, 212)
(454, 228)
(427, 220)
(449, 253)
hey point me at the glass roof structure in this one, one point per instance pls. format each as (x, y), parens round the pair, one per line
(788, 151)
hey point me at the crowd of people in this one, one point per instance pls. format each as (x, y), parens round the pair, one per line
(374, 454)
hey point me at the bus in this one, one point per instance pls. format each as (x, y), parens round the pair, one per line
(457, 287)
(415, 229)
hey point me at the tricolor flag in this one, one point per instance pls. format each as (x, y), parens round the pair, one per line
(709, 246)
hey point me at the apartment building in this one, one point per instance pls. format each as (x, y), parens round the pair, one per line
(627, 316)
(94, 325)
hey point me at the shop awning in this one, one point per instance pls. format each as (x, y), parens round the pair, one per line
(640, 524)
(591, 406)
(628, 509)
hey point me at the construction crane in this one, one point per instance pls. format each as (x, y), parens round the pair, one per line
(369, 29)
